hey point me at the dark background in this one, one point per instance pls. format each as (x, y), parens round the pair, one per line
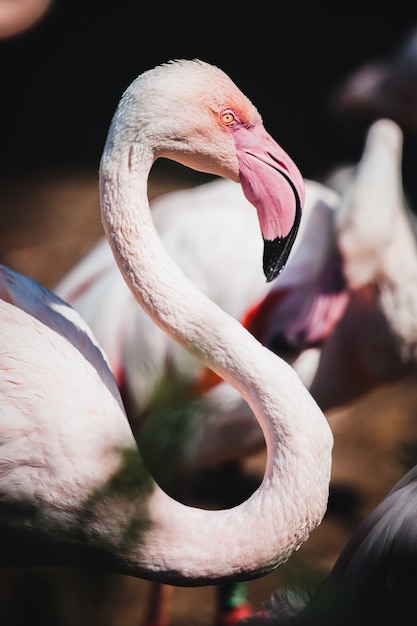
(62, 79)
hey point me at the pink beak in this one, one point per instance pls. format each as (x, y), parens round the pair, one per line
(273, 184)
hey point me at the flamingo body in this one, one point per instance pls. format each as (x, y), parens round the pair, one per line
(72, 477)
(377, 334)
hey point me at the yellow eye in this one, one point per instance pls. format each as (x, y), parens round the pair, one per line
(227, 118)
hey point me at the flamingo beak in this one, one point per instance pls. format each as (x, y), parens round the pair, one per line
(273, 184)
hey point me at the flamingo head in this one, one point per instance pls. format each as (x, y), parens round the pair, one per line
(192, 112)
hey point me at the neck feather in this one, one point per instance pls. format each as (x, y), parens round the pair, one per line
(262, 532)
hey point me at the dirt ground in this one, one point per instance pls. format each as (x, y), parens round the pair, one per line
(47, 223)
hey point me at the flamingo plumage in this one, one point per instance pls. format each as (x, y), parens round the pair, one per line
(373, 271)
(375, 340)
(225, 429)
(76, 482)
(373, 580)
(220, 428)
(140, 354)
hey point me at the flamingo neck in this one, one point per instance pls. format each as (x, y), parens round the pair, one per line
(292, 499)
(160, 287)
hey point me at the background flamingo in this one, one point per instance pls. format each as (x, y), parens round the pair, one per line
(116, 180)
(375, 341)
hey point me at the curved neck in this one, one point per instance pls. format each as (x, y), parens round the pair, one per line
(292, 499)
(158, 284)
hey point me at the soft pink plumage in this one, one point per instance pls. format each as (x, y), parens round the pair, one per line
(374, 579)
(211, 233)
(376, 340)
(72, 483)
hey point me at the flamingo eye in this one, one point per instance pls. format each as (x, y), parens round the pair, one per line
(228, 117)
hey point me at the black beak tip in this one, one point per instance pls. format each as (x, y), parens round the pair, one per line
(272, 272)
(276, 253)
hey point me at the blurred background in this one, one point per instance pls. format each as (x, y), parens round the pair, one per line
(61, 80)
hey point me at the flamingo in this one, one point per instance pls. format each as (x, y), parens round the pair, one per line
(376, 339)
(219, 429)
(373, 580)
(337, 365)
(73, 484)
